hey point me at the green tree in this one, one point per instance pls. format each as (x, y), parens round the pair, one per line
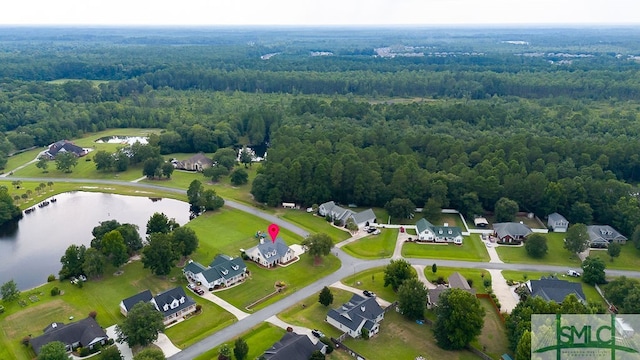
(110, 353)
(318, 245)
(9, 291)
(131, 235)
(65, 161)
(8, 211)
(114, 249)
(326, 297)
(152, 167)
(245, 156)
(351, 225)
(412, 298)
(459, 319)
(43, 163)
(167, 169)
(121, 161)
(536, 245)
(239, 177)
(240, 349)
(211, 201)
(72, 261)
(434, 268)
(523, 351)
(158, 255)
(635, 237)
(160, 223)
(94, 263)
(225, 352)
(614, 250)
(505, 210)
(150, 354)
(616, 291)
(185, 241)
(577, 238)
(104, 160)
(432, 209)
(400, 208)
(215, 172)
(317, 355)
(141, 326)
(55, 350)
(225, 157)
(593, 271)
(631, 302)
(397, 272)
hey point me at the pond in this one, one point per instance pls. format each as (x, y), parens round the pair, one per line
(32, 250)
(125, 140)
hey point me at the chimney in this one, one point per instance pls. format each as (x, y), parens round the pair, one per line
(362, 308)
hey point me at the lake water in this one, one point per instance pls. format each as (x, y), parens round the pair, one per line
(32, 251)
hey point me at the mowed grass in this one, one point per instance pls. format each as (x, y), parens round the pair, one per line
(372, 280)
(557, 254)
(472, 249)
(314, 224)
(477, 276)
(493, 340)
(374, 246)
(629, 258)
(259, 339)
(212, 319)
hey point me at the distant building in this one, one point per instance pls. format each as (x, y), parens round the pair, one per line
(64, 146)
(553, 289)
(293, 346)
(269, 254)
(456, 281)
(198, 162)
(429, 232)
(84, 333)
(480, 222)
(362, 218)
(557, 223)
(357, 314)
(511, 232)
(223, 271)
(600, 236)
(173, 303)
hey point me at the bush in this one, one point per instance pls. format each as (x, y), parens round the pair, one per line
(487, 283)
(325, 340)
(440, 280)
(25, 340)
(470, 282)
(55, 291)
(83, 351)
(509, 282)
(198, 308)
(93, 314)
(51, 278)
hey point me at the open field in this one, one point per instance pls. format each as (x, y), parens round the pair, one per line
(629, 258)
(492, 341)
(472, 249)
(477, 276)
(373, 280)
(556, 255)
(374, 246)
(314, 224)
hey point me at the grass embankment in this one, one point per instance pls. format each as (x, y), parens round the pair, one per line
(472, 249)
(374, 246)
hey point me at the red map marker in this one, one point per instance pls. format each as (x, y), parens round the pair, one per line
(273, 232)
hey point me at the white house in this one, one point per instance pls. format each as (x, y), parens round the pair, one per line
(223, 271)
(557, 223)
(173, 303)
(429, 232)
(357, 314)
(270, 254)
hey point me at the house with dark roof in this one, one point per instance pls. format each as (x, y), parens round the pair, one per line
(456, 281)
(362, 218)
(197, 162)
(511, 232)
(357, 314)
(293, 346)
(64, 146)
(269, 254)
(557, 223)
(173, 303)
(85, 333)
(554, 289)
(223, 271)
(600, 236)
(429, 232)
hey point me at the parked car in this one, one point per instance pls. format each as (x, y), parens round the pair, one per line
(191, 286)
(368, 293)
(317, 333)
(199, 291)
(573, 273)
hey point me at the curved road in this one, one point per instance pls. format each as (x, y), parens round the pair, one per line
(349, 265)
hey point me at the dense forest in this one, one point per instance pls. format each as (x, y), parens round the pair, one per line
(453, 118)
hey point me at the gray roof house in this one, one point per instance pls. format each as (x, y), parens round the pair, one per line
(357, 314)
(362, 218)
(84, 333)
(173, 303)
(64, 146)
(511, 232)
(197, 162)
(223, 271)
(557, 223)
(456, 281)
(269, 254)
(602, 235)
(429, 232)
(293, 346)
(553, 289)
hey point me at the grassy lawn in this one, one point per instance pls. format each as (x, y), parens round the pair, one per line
(629, 258)
(590, 292)
(212, 318)
(493, 340)
(314, 224)
(476, 275)
(103, 296)
(259, 339)
(262, 281)
(405, 340)
(557, 255)
(311, 314)
(373, 280)
(472, 249)
(374, 246)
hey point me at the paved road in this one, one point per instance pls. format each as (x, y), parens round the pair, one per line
(349, 266)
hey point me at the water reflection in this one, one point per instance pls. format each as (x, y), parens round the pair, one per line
(31, 249)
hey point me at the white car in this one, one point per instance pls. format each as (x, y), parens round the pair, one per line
(573, 273)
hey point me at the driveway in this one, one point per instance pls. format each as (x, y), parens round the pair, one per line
(339, 285)
(422, 277)
(296, 329)
(163, 343)
(239, 314)
(505, 294)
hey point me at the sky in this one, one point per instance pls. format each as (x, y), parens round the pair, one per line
(319, 12)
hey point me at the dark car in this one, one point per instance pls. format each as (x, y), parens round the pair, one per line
(368, 293)
(198, 291)
(317, 333)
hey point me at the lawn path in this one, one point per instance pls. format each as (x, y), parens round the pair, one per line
(338, 284)
(239, 314)
(491, 249)
(422, 277)
(23, 165)
(275, 320)
(508, 299)
(357, 236)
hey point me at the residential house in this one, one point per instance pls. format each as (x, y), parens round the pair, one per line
(557, 223)
(223, 271)
(293, 346)
(362, 218)
(269, 254)
(480, 222)
(173, 303)
(197, 162)
(64, 146)
(554, 289)
(456, 281)
(511, 232)
(85, 333)
(600, 236)
(429, 232)
(358, 313)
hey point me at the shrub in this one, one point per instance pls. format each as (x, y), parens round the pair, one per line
(509, 282)
(93, 314)
(51, 278)
(25, 340)
(487, 283)
(325, 340)
(83, 351)
(55, 291)
(440, 280)
(198, 308)
(80, 284)
(289, 329)
(470, 282)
